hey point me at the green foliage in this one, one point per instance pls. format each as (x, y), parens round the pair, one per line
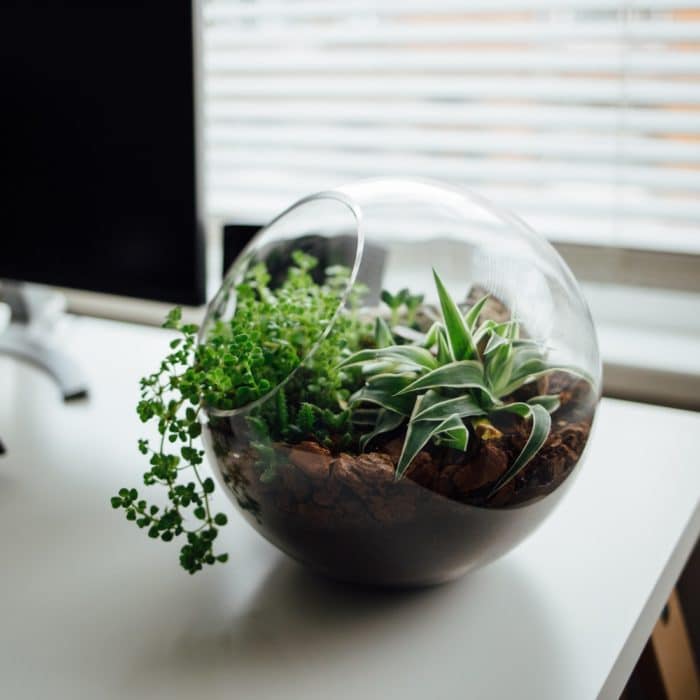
(404, 298)
(361, 381)
(241, 360)
(460, 371)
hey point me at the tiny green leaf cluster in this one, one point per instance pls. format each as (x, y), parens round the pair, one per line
(460, 372)
(402, 299)
(241, 360)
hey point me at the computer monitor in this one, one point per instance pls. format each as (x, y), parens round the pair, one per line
(99, 148)
(99, 144)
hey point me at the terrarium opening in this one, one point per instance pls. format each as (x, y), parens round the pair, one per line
(386, 363)
(304, 264)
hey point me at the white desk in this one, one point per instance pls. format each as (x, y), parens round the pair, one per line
(91, 608)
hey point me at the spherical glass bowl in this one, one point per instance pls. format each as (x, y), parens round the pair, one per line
(436, 491)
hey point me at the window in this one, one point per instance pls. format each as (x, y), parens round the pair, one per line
(582, 116)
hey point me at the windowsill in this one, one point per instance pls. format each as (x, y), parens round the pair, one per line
(652, 366)
(655, 364)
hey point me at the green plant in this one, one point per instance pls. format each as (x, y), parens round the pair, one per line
(241, 360)
(361, 380)
(459, 373)
(403, 298)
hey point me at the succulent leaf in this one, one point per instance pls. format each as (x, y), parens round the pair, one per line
(406, 354)
(431, 337)
(457, 439)
(549, 401)
(383, 336)
(386, 421)
(494, 342)
(472, 316)
(444, 356)
(458, 332)
(420, 432)
(526, 378)
(499, 368)
(383, 390)
(462, 381)
(439, 408)
(541, 424)
(467, 374)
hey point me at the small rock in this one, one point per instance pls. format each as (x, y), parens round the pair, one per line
(343, 471)
(313, 459)
(444, 485)
(422, 469)
(376, 468)
(365, 472)
(488, 465)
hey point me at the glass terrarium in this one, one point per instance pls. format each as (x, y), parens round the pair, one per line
(419, 388)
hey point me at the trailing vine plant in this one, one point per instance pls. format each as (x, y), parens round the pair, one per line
(241, 360)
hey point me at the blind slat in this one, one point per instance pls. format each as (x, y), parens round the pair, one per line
(508, 115)
(525, 171)
(559, 90)
(481, 142)
(582, 115)
(546, 201)
(487, 60)
(595, 229)
(454, 32)
(221, 12)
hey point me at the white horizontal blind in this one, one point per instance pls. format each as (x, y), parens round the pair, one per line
(583, 116)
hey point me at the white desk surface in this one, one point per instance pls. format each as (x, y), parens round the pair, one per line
(91, 608)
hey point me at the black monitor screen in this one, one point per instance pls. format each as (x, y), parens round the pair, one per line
(98, 148)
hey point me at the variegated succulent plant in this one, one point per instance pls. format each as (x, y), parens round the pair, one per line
(459, 374)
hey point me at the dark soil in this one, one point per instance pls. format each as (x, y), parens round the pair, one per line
(319, 486)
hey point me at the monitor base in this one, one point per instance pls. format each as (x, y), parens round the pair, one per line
(33, 314)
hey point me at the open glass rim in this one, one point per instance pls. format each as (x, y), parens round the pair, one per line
(235, 274)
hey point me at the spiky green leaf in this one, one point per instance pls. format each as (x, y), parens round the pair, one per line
(382, 334)
(436, 407)
(499, 368)
(520, 408)
(472, 316)
(420, 432)
(467, 374)
(444, 356)
(533, 371)
(549, 401)
(386, 421)
(406, 354)
(384, 390)
(458, 332)
(431, 337)
(495, 342)
(541, 424)
(456, 439)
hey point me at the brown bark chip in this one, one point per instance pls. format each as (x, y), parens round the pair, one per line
(314, 488)
(313, 459)
(489, 464)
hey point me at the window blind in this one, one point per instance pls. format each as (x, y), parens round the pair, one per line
(582, 116)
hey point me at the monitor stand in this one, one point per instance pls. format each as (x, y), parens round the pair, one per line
(33, 315)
